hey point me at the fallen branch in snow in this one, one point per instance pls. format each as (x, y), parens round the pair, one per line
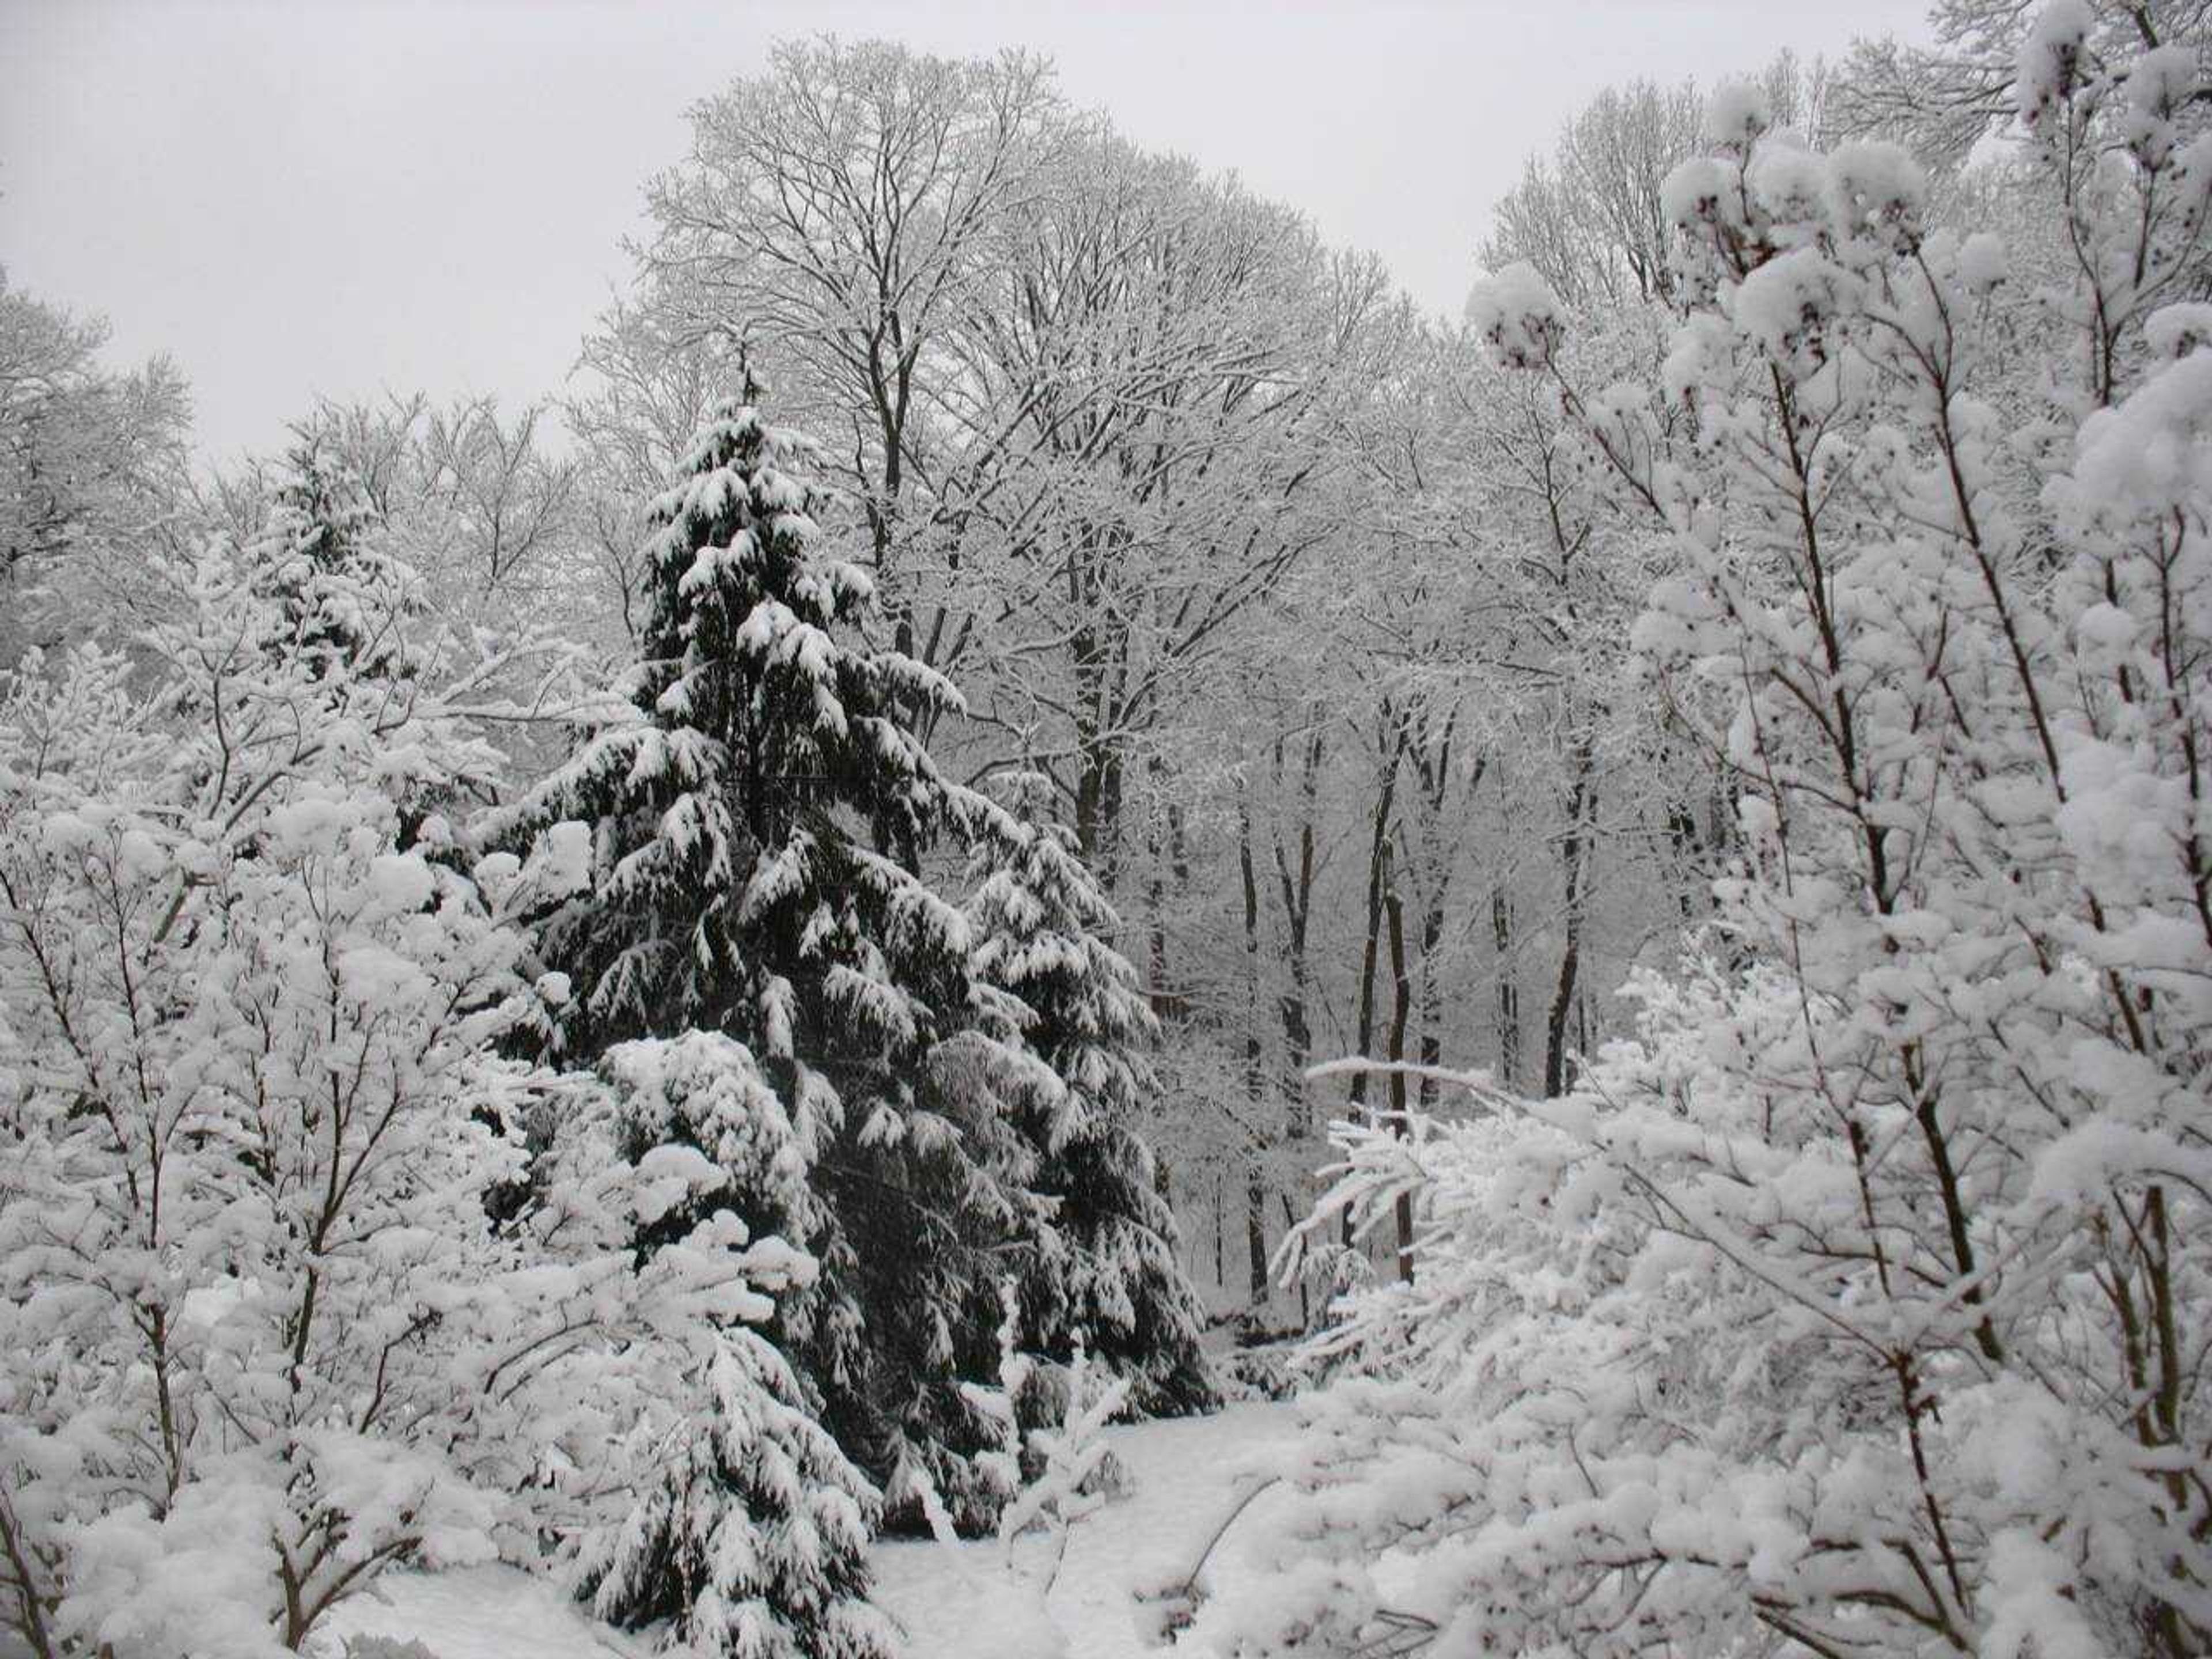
(1173, 1604)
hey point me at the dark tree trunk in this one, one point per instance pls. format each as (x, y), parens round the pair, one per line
(1296, 886)
(1169, 881)
(1574, 857)
(1437, 846)
(1097, 799)
(1378, 861)
(1400, 1007)
(1255, 1074)
(1259, 1288)
(1220, 1240)
(1509, 990)
(1682, 838)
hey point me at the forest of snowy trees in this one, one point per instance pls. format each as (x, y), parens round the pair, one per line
(1030, 799)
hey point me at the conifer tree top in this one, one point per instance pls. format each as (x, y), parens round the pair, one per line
(762, 813)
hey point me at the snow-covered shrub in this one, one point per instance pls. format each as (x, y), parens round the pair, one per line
(1856, 1305)
(1048, 1479)
(1059, 1468)
(259, 1338)
(1259, 1373)
(1067, 1469)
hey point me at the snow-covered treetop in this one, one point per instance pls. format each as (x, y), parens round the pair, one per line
(1514, 310)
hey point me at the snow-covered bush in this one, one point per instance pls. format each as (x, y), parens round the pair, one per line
(1049, 1479)
(1856, 1305)
(259, 1338)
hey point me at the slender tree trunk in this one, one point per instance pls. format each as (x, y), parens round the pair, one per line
(1573, 859)
(1433, 761)
(1682, 839)
(1298, 1044)
(1435, 911)
(1431, 1002)
(1402, 1004)
(1508, 987)
(1220, 1243)
(1097, 750)
(1258, 1287)
(1092, 826)
(1378, 857)
(1255, 1074)
(1297, 888)
(1290, 1220)
(1156, 993)
(1170, 881)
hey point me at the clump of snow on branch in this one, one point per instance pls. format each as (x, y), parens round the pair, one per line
(1516, 313)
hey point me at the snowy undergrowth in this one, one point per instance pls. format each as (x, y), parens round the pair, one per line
(1186, 1475)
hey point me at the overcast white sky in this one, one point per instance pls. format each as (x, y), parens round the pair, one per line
(304, 197)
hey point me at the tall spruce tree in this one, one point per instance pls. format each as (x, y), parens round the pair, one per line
(1107, 1279)
(761, 814)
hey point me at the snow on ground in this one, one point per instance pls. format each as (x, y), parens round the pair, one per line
(1184, 1485)
(479, 1613)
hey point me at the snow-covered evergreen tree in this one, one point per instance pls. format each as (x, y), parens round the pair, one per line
(761, 816)
(1109, 1280)
(319, 555)
(749, 1530)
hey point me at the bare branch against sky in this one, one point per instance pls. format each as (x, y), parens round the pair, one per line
(317, 198)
